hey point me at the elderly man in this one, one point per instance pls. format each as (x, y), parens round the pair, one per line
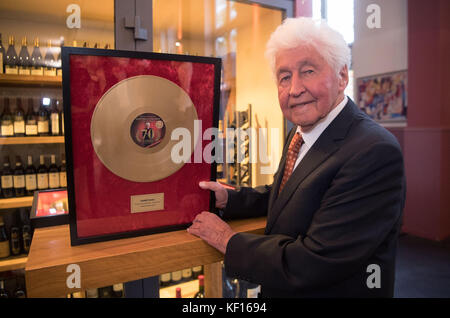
(334, 208)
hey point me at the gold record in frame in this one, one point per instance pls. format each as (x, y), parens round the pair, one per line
(132, 124)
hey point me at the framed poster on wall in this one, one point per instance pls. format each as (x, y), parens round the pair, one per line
(135, 122)
(384, 97)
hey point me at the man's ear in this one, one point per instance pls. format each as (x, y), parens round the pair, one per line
(343, 78)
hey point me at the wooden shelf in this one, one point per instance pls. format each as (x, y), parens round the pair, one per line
(117, 261)
(12, 203)
(31, 140)
(30, 80)
(13, 263)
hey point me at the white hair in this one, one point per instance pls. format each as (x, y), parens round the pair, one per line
(302, 31)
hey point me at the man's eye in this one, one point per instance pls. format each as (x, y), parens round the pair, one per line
(284, 78)
(308, 72)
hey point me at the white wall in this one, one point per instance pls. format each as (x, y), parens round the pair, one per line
(383, 50)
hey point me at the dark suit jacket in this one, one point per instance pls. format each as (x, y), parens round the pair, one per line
(339, 212)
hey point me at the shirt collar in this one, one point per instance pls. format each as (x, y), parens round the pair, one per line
(310, 137)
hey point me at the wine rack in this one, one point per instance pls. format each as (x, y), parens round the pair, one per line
(240, 170)
(34, 144)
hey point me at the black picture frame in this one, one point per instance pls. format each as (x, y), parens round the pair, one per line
(66, 53)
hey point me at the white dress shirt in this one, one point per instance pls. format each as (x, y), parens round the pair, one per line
(310, 137)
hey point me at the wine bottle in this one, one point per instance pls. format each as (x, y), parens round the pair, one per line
(20, 289)
(19, 119)
(26, 237)
(178, 292)
(31, 125)
(43, 121)
(42, 174)
(30, 177)
(118, 290)
(186, 274)
(105, 292)
(37, 62)
(197, 271)
(15, 241)
(2, 56)
(7, 121)
(3, 292)
(201, 287)
(58, 59)
(49, 61)
(164, 280)
(63, 173)
(19, 178)
(54, 118)
(4, 241)
(91, 293)
(176, 277)
(53, 174)
(11, 62)
(7, 179)
(24, 59)
(61, 111)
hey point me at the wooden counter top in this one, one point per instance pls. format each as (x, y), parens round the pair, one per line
(106, 263)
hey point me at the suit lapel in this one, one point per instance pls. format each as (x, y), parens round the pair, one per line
(323, 148)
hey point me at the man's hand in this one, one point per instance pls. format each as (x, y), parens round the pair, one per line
(219, 190)
(210, 228)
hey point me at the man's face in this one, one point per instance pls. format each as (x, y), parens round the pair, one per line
(308, 88)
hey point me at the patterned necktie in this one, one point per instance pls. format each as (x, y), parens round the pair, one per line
(291, 157)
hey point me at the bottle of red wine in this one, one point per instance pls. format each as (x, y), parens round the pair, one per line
(30, 177)
(43, 121)
(37, 62)
(197, 271)
(3, 292)
(24, 59)
(53, 174)
(7, 179)
(19, 178)
(7, 121)
(42, 174)
(15, 241)
(201, 287)
(164, 279)
(4, 241)
(54, 118)
(26, 238)
(19, 119)
(20, 289)
(178, 292)
(31, 125)
(49, 61)
(58, 58)
(2, 56)
(62, 172)
(11, 63)
(118, 290)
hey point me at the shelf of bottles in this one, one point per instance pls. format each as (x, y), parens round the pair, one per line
(18, 184)
(239, 170)
(42, 67)
(186, 283)
(35, 64)
(15, 241)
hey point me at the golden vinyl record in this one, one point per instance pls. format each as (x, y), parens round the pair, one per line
(132, 124)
